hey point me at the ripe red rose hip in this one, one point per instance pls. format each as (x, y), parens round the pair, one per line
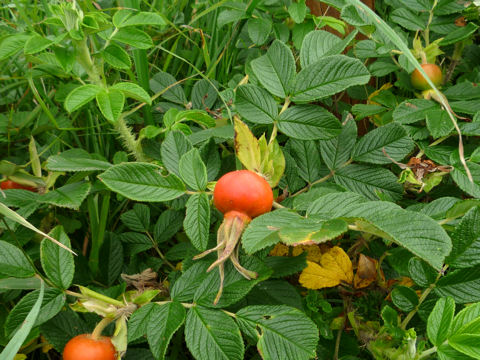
(9, 184)
(85, 347)
(243, 191)
(434, 73)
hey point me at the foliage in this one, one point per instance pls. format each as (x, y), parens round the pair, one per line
(118, 117)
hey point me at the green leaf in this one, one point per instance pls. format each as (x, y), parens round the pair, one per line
(298, 11)
(263, 230)
(134, 91)
(11, 45)
(235, 287)
(111, 103)
(18, 339)
(192, 170)
(362, 111)
(80, 96)
(318, 44)
(307, 158)
(13, 262)
(63, 327)
(168, 224)
(142, 182)
(69, 196)
(175, 145)
(465, 316)
(52, 303)
(36, 43)
(413, 110)
(468, 344)
(197, 220)
(276, 292)
(134, 37)
(142, 18)
(211, 159)
(284, 266)
(255, 104)
(169, 88)
(460, 34)
(329, 76)
(336, 151)
(440, 321)
(117, 57)
(138, 218)
(259, 29)
(135, 243)
(212, 335)
(185, 287)
(405, 298)
(75, 160)
(305, 232)
(276, 69)
(390, 138)
(421, 272)
(439, 123)
(309, 122)
(164, 321)
(466, 241)
(462, 285)
(57, 263)
(205, 94)
(407, 19)
(138, 322)
(369, 181)
(111, 263)
(460, 177)
(279, 330)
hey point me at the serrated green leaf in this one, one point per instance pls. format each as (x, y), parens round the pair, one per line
(212, 335)
(462, 285)
(133, 90)
(142, 182)
(259, 29)
(62, 328)
(134, 37)
(390, 139)
(197, 220)
(163, 322)
(466, 241)
(280, 330)
(192, 170)
(75, 160)
(255, 104)
(12, 44)
(413, 110)
(110, 103)
(440, 321)
(138, 218)
(175, 145)
(405, 298)
(318, 44)
(185, 287)
(81, 96)
(336, 151)
(367, 180)
(52, 303)
(13, 262)
(329, 76)
(111, 264)
(36, 43)
(276, 69)
(69, 196)
(57, 262)
(169, 88)
(117, 57)
(309, 122)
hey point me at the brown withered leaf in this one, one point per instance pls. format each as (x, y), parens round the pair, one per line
(366, 272)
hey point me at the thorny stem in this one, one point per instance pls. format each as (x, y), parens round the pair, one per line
(129, 139)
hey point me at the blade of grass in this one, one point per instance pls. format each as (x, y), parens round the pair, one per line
(393, 36)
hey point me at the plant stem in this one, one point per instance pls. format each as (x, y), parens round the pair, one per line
(428, 352)
(97, 332)
(157, 249)
(129, 139)
(85, 60)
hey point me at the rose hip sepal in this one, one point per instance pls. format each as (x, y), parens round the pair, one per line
(86, 347)
(9, 184)
(240, 195)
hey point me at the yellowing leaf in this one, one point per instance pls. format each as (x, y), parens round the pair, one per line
(247, 147)
(335, 267)
(279, 250)
(314, 252)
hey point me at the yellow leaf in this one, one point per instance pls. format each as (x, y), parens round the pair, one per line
(279, 250)
(314, 252)
(335, 267)
(247, 147)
